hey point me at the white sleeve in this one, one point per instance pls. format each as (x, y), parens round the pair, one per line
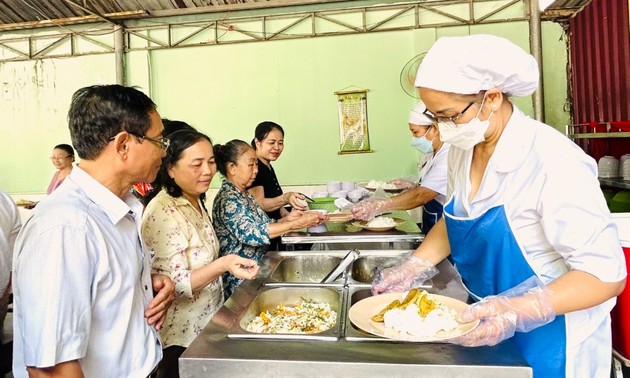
(576, 220)
(435, 178)
(10, 224)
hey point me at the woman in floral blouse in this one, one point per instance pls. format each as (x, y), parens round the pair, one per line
(242, 227)
(177, 228)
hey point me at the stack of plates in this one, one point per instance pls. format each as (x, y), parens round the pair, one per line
(624, 167)
(607, 167)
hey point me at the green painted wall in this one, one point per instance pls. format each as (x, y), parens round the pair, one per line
(226, 90)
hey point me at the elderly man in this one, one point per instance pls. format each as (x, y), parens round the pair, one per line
(431, 190)
(83, 291)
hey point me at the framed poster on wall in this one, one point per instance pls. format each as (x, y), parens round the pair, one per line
(353, 124)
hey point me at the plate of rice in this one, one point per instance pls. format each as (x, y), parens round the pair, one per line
(379, 223)
(388, 187)
(415, 316)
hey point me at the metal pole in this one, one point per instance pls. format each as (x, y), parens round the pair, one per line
(119, 54)
(535, 45)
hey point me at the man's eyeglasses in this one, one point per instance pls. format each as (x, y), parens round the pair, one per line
(446, 119)
(162, 143)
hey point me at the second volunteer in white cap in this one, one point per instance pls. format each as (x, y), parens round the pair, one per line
(431, 190)
(525, 220)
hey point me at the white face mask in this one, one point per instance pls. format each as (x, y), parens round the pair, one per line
(465, 135)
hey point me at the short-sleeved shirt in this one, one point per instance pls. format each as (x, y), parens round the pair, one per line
(10, 224)
(82, 282)
(434, 174)
(266, 178)
(241, 226)
(182, 240)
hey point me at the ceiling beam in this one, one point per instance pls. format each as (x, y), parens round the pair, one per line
(73, 20)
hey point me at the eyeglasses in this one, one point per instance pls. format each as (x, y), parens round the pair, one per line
(52, 158)
(162, 143)
(446, 119)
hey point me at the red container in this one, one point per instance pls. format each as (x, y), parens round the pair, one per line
(620, 314)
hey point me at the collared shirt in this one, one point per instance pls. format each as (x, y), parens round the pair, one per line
(242, 228)
(552, 199)
(82, 282)
(433, 175)
(183, 240)
(10, 224)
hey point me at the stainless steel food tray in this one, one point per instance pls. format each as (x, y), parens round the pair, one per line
(270, 297)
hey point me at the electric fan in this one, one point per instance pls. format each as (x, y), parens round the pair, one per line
(408, 75)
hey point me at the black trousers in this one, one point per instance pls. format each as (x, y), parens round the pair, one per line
(168, 367)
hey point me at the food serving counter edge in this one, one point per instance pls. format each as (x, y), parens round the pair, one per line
(224, 349)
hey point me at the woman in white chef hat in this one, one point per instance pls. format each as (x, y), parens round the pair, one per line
(525, 221)
(431, 191)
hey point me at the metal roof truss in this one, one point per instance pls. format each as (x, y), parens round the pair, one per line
(98, 38)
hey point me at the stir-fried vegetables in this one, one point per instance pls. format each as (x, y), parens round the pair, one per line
(307, 316)
(415, 296)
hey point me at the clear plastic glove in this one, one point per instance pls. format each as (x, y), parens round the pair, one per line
(402, 183)
(411, 273)
(371, 207)
(503, 315)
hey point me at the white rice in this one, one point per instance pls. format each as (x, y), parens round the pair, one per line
(373, 184)
(381, 222)
(409, 322)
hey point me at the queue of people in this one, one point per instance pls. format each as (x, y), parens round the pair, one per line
(543, 268)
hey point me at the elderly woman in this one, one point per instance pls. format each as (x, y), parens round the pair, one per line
(177, 228)
(430, 192)
(525, 220)
(62, 158)
(242, 225)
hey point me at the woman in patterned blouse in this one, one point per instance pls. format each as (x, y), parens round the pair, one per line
(242, 227)
(176, 227)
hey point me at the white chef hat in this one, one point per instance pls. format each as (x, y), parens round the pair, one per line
(417, 117)
(470, 64)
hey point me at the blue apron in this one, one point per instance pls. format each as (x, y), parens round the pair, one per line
(490, 262)
(431, 213)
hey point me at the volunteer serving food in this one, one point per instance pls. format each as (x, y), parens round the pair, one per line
(431, 191)
(525, 220)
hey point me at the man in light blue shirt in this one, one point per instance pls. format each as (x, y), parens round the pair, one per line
(83, 289)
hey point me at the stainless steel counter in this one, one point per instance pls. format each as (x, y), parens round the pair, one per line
(615, 182)
(346, 235)
(353, 354)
